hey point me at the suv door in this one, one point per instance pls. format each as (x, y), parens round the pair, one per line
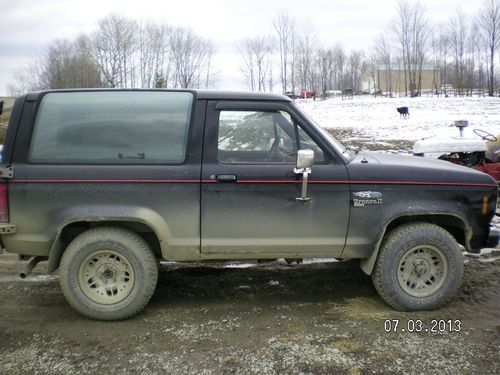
(249, 192)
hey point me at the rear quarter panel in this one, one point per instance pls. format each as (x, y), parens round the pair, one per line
(43, 198)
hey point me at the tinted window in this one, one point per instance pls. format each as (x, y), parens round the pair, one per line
(112, 127)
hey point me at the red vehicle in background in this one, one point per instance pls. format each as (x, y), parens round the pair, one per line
(491, 162)
(305, 94)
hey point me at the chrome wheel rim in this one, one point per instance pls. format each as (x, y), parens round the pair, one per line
(422, 271)
(106, 277)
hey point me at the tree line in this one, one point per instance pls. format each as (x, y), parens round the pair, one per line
(461, 53)
(121, 52)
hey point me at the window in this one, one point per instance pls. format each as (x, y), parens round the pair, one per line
(306, 142)
(106, 127)
(255, 137)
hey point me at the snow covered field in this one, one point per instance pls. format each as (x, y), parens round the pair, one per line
(368, 120)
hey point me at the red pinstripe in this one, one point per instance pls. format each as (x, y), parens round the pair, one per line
(264, 182)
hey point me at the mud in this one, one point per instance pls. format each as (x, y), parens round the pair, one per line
(262, 318)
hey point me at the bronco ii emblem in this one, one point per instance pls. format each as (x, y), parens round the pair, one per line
(363, 198)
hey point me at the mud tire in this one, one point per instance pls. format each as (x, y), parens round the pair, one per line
(400, 250)
(115, 249)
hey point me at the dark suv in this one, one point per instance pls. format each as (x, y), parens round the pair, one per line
(104, 183)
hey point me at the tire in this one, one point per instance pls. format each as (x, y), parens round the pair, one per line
(108, 273)
(419, 267)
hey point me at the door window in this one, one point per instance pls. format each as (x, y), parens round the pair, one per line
(267, 137)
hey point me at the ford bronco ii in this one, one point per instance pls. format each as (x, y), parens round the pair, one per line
(105, 183)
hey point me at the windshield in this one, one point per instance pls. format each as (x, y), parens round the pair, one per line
(347, 153)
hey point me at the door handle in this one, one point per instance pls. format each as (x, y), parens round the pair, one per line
(227, 178)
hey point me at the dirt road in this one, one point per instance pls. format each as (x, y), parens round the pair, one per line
(270, 318)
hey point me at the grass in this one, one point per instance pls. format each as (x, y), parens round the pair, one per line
(357, 140)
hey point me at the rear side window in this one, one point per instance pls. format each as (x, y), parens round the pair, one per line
(122, 127)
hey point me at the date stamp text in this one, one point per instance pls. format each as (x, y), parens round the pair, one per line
(418, 325)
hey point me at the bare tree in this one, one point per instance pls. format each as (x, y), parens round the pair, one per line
(355, 68)
(339, 62)
(458, 35)
(65, 64)
(284, 27)
(441, 50)
(84, 66)
(489, 26)
(248, 65)
(305, 50)
(383, 56)
(113, 46)
(154, 55)
(412, 30)
(122, 54)
(56, 65)
(255, 55)
(403, 31)
(324, 71)
(191, 58)
(472, 58)
(27, 79)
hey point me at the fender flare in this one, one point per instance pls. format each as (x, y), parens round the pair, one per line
(103, 214)
(368, 264)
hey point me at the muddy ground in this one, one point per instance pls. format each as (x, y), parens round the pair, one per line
(270, 318)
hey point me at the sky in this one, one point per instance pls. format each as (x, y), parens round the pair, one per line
(28, 27)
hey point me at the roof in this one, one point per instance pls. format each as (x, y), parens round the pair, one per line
(200, 94)
(240, 95)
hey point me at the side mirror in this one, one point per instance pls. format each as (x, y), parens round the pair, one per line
(305, 159)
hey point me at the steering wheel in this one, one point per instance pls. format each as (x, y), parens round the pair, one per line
(484, 135)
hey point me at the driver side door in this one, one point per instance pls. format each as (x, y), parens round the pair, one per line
(249, 188)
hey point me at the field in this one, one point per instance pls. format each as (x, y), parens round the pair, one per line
(374, 124)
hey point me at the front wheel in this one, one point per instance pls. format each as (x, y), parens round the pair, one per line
(108, 273)
(419, 267)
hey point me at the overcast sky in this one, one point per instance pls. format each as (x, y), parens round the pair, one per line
(27, 27)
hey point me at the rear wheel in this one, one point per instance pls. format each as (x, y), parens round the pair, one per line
(419, 267)
(108, 273)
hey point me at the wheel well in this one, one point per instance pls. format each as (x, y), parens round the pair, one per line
(72, 230)
(454, 225)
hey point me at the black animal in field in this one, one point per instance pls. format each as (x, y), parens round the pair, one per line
(403, 112)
